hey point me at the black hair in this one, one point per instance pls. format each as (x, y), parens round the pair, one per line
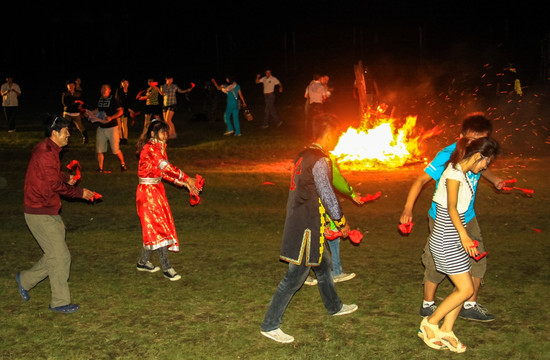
(466, 147)
(477, 123)
(154, 127)
(54, 122)
(324, 123)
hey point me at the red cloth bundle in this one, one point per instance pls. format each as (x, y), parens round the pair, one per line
(370, 197)
(199, 184)
(75, 165)
(406, 228)
(355, 236)
(479, 256)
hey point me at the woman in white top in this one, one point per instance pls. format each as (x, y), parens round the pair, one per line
(449, 243)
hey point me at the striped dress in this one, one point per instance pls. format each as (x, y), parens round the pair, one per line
(448, 253)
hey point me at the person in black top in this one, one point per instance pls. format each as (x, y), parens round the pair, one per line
(109, 110)
(127, 103)
(72, 108)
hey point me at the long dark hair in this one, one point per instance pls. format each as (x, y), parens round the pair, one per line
(466, 147)
(155, 127)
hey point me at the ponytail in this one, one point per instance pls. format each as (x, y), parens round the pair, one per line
(460, 150)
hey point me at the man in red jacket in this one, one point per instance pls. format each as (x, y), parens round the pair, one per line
(44, 184)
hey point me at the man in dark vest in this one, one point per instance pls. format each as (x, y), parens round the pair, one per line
(311, 196)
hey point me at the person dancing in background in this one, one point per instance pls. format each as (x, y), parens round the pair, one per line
(152, 105)
(72, 108)
(122, 94)
(450, 244)
(269, 83)
(168, 91)
(157, 223)
(233, 92)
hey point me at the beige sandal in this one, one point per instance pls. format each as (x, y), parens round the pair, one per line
(434, 342)
(449, 339)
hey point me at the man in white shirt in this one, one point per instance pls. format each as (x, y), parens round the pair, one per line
(316, 95)
(270, 82)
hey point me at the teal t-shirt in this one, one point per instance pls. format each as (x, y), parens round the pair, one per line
(436, 168)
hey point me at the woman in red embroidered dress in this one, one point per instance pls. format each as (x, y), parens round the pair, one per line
(157, 223)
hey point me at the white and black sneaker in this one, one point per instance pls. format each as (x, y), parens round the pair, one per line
(147, 267)
(172, 275)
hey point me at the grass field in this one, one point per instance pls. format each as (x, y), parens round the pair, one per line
(229, 259)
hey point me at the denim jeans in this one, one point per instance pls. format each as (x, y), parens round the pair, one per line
(292, 282)
(335, 252)
(270, 108)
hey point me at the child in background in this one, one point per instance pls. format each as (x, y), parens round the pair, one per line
(157, 223)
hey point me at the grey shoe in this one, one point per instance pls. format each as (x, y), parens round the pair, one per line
(311, 281)
(424, 312)
(476, 313)
(343, 277)
(346, 309)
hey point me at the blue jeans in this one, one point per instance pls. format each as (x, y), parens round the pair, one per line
(270, 108)
(292, 282)
(335, 252)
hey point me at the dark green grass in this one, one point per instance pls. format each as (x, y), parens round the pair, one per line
(230, 269)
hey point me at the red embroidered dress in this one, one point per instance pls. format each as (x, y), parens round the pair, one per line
(157, 223)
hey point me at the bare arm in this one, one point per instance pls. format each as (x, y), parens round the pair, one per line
(497, 182)
(414, 192)
(116, 115)
(242, 99)
(216, 84)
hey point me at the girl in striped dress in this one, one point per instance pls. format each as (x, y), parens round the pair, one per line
(449, 243)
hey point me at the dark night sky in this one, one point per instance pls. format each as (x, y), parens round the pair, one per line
(104, 41)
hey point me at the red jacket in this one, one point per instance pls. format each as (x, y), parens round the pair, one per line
(45, 182)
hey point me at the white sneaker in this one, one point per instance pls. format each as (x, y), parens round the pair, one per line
(278, 335)
(311, 281)
(343, 277)
(346, 309)
(228, 132)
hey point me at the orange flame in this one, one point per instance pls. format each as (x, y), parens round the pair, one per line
(382, 145)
